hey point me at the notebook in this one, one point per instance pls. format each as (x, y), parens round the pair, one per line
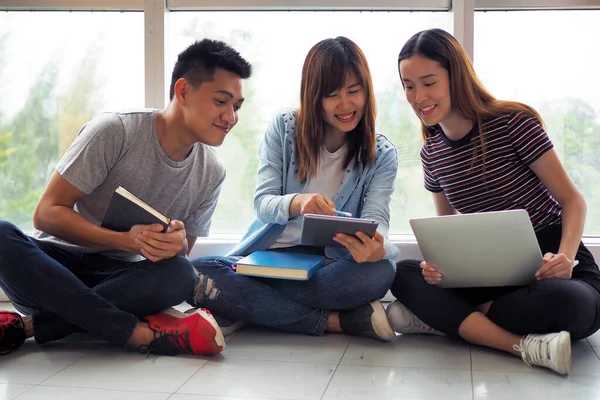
(273, 264)
(126, 209)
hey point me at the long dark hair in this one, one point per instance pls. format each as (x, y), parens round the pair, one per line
(325, 70)
(468, 96)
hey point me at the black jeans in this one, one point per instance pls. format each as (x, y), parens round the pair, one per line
(545, 306)
(66, 292)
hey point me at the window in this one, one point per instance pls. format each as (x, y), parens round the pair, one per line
(272, 43)
(58, 70)
(543, 59)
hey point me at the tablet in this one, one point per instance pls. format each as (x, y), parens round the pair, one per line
(480, 250)
(319, 230)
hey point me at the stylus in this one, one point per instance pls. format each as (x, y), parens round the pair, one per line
(342, 213)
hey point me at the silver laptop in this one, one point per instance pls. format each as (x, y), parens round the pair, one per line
(483, 249)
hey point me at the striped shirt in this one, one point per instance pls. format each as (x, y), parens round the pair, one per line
(512, 142)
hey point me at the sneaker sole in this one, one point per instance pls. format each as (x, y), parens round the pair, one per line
(388, 312)
(564, 340)
(380, 322)
(219, 339)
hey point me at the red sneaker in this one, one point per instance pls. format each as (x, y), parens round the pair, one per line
(12, 331)
(179, 333)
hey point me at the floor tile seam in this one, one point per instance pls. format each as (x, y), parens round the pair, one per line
(268, 360)
(406, 366)
(28, 390)
(336, 369)
(542, 372)
(188, 379)
(108, 389)
(472, 380)
(65, 367)
(594, 350)
(228, 396)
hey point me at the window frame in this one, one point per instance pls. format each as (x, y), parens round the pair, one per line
(312, 5)
(512, 5)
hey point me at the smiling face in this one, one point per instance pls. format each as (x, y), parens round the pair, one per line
(210, 110)
(427, 87)
(344, 108)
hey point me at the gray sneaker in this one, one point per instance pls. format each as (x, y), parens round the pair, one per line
(368, 321)
(227, 326)
(404, 321)
(551, 350)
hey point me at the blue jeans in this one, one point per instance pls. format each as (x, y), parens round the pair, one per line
(66, 292)
(289, 305)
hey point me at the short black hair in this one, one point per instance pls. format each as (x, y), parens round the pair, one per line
(198, 62)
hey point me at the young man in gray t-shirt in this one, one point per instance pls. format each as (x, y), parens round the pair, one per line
(73, 275)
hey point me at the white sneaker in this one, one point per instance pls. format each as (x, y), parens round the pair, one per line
(404, 321)
(551, 350)
(368, 320)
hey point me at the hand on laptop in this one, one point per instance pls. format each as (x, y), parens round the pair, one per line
(556, 266)
(431, 275)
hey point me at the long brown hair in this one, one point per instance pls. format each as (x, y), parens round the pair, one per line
(326, 68)
(468, 96)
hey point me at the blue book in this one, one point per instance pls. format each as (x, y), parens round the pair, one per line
(274, 264)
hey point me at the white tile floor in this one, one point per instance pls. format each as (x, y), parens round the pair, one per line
(270, 365)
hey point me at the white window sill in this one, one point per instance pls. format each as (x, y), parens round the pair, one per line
(222, 243)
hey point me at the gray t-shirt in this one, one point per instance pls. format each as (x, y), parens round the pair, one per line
(122, 149)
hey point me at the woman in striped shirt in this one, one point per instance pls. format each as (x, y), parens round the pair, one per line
(482, 154)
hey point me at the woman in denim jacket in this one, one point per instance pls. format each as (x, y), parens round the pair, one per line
(324, 156)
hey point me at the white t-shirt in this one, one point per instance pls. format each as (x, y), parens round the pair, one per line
(327, 181)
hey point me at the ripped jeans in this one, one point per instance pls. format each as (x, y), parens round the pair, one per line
(289, 305)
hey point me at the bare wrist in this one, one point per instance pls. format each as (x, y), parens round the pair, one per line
(120, 241)
(570, 254)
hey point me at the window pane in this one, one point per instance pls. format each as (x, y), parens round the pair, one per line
(276, 43)
(543, 58)
(59, 69)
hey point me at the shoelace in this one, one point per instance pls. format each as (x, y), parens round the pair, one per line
(168, 343)
(534, 350)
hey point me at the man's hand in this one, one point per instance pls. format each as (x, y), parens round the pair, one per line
(556, 266)
(363, 249)
(156, 245)
(132, 245)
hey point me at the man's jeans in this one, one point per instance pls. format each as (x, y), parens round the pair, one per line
(293, 306)
(66, 292)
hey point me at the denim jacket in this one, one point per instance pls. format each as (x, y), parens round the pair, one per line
(365, 191)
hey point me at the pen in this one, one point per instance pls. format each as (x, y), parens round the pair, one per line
(342, 213)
